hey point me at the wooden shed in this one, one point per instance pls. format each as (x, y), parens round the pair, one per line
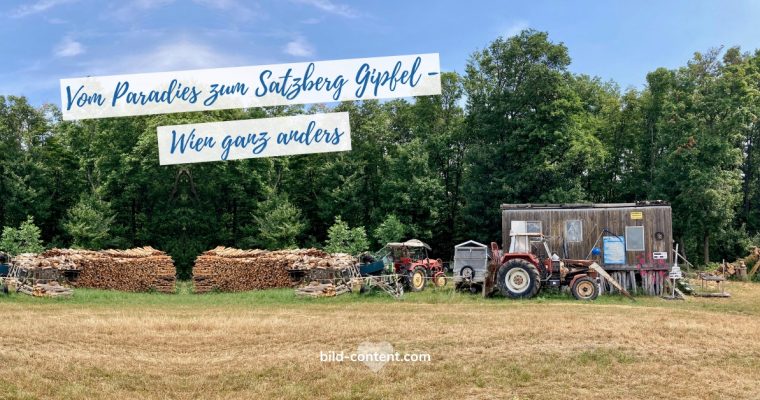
(631, 237)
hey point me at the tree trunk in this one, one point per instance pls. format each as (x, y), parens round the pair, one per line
(234, 221)
(4, 194)
(133, 221)
(748, 176)
(706, 248)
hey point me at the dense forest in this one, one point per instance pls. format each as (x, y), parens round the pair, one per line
(516, 127)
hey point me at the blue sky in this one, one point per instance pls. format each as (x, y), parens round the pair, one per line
(46, 40)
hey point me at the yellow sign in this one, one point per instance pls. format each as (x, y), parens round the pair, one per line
(637, 215)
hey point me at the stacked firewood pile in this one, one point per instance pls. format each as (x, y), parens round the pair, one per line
(739, 267)
(727, 269)
(135, 270)
(234, 270)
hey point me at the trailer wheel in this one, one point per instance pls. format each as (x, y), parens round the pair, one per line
(467, 273)
(417, 279)
(585, 289)
(518, 279)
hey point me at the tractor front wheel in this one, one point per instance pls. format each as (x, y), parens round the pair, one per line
(518, 279)
(585, 289)
(417, 279)
(439, 279)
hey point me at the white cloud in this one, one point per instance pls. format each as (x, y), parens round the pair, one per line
(332, 8)
(147, 4)
(219, 4)
(299, 48)
(128, 10)
(515, 28)
(36, 7)
(236, 7)
(173, 56)
(69, 48)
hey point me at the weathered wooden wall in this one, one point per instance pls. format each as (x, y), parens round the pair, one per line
(597, 217)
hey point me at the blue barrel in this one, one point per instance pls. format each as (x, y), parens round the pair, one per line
(4, 268)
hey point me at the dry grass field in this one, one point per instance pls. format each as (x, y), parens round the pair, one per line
(107, 345)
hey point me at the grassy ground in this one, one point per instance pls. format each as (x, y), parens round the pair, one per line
(267, 344)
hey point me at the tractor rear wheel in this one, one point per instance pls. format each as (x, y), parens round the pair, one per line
(417, 279)
(518, 279)
(585, 289)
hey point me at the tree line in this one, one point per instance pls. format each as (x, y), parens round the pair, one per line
(516, 127)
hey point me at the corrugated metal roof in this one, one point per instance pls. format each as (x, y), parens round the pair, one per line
(471, 243)
(651, 203)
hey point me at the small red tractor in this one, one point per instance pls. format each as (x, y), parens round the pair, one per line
(530, 266)
(410, 262)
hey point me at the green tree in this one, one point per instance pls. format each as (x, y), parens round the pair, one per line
(391, 230)
(438, 122)
(24, 239)
(698, 162)
(25, 186)
(279, 223)
(343, 239)
(522, 125)
(89, 223)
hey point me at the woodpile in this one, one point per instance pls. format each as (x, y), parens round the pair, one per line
(235, 270)
(727, 269)
(51, 289)
(136, 270)
(316, 289)
(738, 268)
(753, 261)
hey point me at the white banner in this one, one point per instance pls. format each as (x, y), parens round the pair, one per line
(253, 138)
(254, 86)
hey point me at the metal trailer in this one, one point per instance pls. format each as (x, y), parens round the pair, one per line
(470, 265)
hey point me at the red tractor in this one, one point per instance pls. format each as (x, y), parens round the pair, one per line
(411, 262)
(530, 266)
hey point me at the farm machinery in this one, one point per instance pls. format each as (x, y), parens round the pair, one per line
(408, 263)
(529, 266)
